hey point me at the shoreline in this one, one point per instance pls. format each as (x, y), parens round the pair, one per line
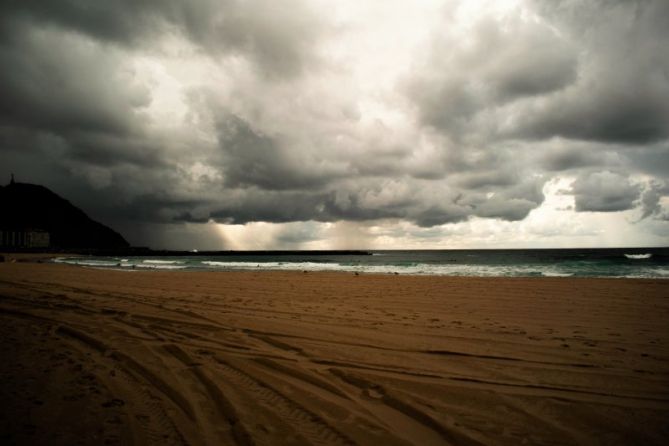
(251, 357)
(188, 270)
(149, 270)
(606, 263)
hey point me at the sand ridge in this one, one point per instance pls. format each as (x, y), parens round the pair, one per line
(330, 358)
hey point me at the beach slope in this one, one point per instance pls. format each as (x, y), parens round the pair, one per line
(106, 357)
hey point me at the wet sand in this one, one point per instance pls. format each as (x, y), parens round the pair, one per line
(112, 357)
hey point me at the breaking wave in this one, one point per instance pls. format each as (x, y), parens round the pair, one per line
(162, 262)
(447, 263)
(639, 256)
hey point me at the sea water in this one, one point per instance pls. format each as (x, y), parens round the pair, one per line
(619, 262)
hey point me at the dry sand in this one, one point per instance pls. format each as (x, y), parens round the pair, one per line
(105, 357)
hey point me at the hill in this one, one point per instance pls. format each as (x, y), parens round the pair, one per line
(30, 206)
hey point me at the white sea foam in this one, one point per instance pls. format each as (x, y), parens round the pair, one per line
(642, 269)
(411, 269)
(161, 266)
(214, 263)
(639, 256)
(556, 274)
(86, 262)
(163, 262)
(284, 266)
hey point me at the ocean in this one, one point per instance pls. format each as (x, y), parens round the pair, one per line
(618, 262)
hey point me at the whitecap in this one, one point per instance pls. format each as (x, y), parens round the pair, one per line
(639, 256)
(555, 274)
(161, 266)
(163, 262)
(85, 262)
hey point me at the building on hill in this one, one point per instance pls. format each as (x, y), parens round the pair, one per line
(24, 238)
(34, 217)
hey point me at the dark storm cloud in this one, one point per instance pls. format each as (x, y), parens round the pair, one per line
(277, 207)
(622, 94)
(592, 74)
(124, 21)
(71, 103)
(250, 205)
(604, 192)
(592, 71)
(651, 159)
(60, 83)
(650, 201)
(251, 158)
(505, 62)
(350, 204)
(108, 149)
(278, 36)
(286, 130)
(610, 113)
(570, 157)
(511, 203)
(74, 104)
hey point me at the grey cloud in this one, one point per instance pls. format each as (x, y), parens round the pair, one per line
(188, 217)
(72, 118)
(507, 61)
(425, 202)
(59, 82)
(608, 113)
(531, 61)
(163, 207)
(485, 178)
(285, 139)
(421, 201)
(429, 204)
(181, 236)
(653, 159)
(573, 155)
(593, 74)
(512, 203)
(95, 159)
(278, 37)
(73, 103)
(268, 206)
(622, 94)
(251, 158)
(442, 214)
(124, 21)
(513, 209)
(108, 149)
(604, 192)
(350, 205)
(650, 201)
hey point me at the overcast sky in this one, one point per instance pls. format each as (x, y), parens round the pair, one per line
(323, 124)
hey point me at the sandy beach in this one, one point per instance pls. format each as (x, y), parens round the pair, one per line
(208, 358)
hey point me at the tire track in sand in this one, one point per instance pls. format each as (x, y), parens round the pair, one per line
(404, 412)
(149, 421)
(223, 406)
(303, 421)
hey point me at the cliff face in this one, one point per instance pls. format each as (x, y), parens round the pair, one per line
(25, 205)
